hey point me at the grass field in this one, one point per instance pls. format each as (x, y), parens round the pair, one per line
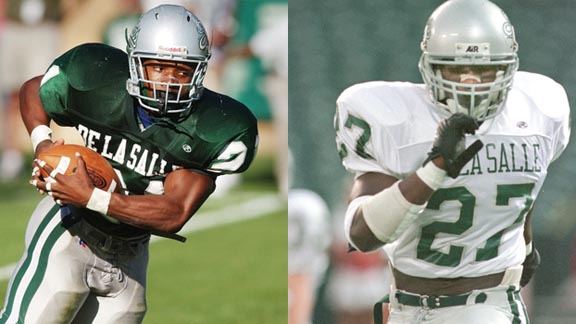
(231, 270)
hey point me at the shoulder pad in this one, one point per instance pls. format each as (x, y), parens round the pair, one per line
(548, 95)
(90, 66)
(385, 103)
(374, 119)
(221, 118)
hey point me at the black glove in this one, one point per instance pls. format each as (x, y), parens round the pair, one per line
(530, 264)
(449, 143)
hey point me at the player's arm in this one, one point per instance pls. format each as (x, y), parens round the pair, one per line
(532, 260)
(528, 227)
(389, 198)
(35, 119)
(184, 192)
(382, 207)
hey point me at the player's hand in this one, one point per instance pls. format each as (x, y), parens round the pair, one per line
(74, 189)
(43, 146)
(530, 264)
(449, 143)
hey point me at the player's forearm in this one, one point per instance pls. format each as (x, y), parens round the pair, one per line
(184, 192)
(415, 190)
(383, 217)
(363, 234)
(528, 228)
(152, 212)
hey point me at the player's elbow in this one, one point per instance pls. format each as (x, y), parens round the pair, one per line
(172, 227)
(171, 218)
(364, 241)
(361, 237)
(358, 233)
(177, 222)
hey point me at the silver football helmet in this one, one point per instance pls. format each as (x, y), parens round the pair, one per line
(172, 33)
(464, 35)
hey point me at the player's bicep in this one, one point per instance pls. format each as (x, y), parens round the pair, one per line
(188, 188)
(371, 183)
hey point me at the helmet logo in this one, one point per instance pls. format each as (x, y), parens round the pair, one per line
(202, 37)
(472, 48)
(509, 33)
(133, 37)
(187, 148)
(508, 30)
(174, 50)
(203, 42)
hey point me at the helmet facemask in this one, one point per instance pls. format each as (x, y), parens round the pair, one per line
(482, 99)
(169, 97)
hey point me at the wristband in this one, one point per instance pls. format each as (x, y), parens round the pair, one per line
(431, 175)
(40, 133)
(99, 201)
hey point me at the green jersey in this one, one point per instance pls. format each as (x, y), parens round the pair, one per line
(85, 88)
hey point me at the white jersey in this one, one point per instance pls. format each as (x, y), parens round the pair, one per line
(308, 233)
(473, 225)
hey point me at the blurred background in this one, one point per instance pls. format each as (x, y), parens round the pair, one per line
(219, 275)
(336, 43)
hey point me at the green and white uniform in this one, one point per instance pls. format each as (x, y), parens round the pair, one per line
(63, 272)
(473, 225)
(308, 235)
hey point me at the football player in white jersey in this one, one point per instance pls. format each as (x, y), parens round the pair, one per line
(308, 244)
(447, 172)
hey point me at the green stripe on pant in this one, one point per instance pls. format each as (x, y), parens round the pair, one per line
(14, 287)
(41, 269)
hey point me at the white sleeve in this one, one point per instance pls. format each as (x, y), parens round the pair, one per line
(356, 140)
(308, 232)
(562, 134)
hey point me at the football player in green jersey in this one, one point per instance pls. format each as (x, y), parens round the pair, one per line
(168, 138)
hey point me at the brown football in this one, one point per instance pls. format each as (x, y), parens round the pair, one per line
(63, 159)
